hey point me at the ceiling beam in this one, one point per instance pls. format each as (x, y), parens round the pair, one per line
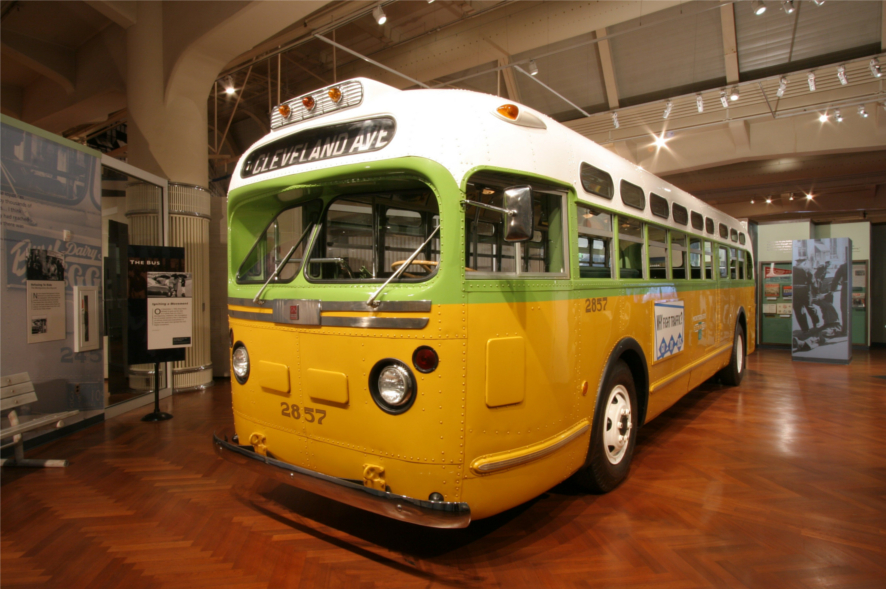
(730, 45)
(883, 27)
(123, 13)
(55, 62)
(510, 79)
(608, 69)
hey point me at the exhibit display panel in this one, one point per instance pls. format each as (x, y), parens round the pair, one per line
(776, 309)
(822, 300)
(51, 244)
(437, 330)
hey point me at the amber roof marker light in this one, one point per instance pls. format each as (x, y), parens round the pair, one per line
(284, 110)
(334, 95)
(509, 111)
(308, 102)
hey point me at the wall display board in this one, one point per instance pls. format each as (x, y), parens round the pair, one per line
(159, 327)
(51, 242)
(775, 320)
(821, 322)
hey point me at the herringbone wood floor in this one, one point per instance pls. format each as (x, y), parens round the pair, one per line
(779, 483)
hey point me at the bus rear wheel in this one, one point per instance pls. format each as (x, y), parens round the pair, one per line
(732, 374)
(613, 435)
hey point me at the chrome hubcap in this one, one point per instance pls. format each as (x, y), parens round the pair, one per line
(618, 424)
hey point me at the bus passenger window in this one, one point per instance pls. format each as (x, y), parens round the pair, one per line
(750, 266)
(630, 246)
(596, 181)
(632, 195)
(724, 262)
(658, 253)
(695, 258)
(678, 256)
(733, 264)
(708, 261)
(594, 242)
(741, 274)
(544, 252)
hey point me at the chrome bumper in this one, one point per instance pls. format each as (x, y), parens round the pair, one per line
(433, 514)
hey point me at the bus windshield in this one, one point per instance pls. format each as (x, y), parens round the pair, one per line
(368, 237)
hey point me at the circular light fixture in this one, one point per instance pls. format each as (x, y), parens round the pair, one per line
(838, 116)
(308, 102)
(392, 386)
(334, 95)
(379, 15)
(508, 111)
(533, 68)
(769, 201)
(823, 117)
(862, 112)
(284, 110)
(809, 196)
(425, 359)
(733, 96)
(240, 363)
(752, 202)
(758, 7)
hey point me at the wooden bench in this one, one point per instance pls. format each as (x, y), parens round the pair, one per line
(18, 390)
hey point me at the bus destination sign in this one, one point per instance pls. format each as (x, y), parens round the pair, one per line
(321, 143)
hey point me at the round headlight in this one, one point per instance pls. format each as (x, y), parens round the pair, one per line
(240, 363)
(392, 386)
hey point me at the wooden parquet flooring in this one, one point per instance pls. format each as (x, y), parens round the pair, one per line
(779, 483)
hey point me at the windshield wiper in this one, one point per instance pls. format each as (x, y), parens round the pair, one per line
(283, 262)
(371, 302)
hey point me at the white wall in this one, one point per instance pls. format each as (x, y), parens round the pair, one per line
(774, 239)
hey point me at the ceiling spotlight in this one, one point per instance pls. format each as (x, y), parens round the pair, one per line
(791, 197)
(533, 68)
(809, 196)
(818, 2)
(788, 6)
(660, 140)
(841, 74)
(838, 116)
(723, 100)
(875, 68)
(667, 110)
(782, 86)
(733, 96)
(615, 120)
(379, 15)
(229, 85)
(430, 1)
(811, 79)
(758, 7)
(823, 117)
(699, 103)
(862, 112)
(752, 202)
(769, 201)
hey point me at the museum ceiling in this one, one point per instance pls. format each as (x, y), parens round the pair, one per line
(645, 79)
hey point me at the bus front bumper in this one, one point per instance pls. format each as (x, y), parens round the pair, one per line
(432, 514)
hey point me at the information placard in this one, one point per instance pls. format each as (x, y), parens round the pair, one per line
(669, 321)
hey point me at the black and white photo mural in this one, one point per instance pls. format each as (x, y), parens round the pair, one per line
(822, 298)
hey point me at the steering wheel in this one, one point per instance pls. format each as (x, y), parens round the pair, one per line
(427, 264)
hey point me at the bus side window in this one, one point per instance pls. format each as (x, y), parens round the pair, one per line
(733, 263)
(724, 262)
(544, 252)
(708, 261)
(695, 268)
(678, 255)
(658, 252)
(750, 266)
(630, 246)
(741, 274)
(594, 242)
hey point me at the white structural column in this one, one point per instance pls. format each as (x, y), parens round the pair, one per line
(730, 45)
(608, 69)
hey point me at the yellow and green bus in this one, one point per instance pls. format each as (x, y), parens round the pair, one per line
(443, 304)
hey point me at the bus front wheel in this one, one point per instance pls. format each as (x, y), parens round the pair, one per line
(732, 374)
(614, 433)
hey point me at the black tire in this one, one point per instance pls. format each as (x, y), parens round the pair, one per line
(608, 464)
(732, 374)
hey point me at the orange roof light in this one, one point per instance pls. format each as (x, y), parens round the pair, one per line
(509, 111)
(334, 94)
(308, 101)
(284, 111)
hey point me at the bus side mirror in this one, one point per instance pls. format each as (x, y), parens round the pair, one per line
(518, 218)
